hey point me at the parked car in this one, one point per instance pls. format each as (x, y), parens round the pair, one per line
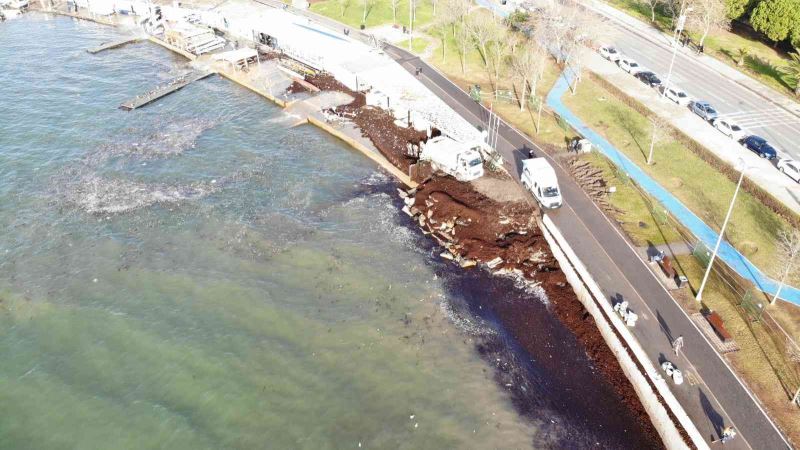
(610, 53)
(729, 128)
(760, 146)
(676, 95)
(648, 78)
(629, 65)
(704, 110)
(790, 168)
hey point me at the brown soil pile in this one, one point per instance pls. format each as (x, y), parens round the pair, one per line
(375, 123)
(475, 229)
(296, 88)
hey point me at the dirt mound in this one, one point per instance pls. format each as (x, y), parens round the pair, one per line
(296, 88)
(391, 139)
(505, 237)
(476, 229)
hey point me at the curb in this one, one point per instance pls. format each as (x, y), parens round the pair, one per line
(698, 60)
(612, 328)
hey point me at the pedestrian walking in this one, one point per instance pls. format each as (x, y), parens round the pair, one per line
(677, 344)
(728, 434)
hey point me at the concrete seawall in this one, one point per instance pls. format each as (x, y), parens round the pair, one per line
(577, 276)
(610, 325)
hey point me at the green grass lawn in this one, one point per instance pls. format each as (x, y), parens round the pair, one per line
(759, 360)
(447, 57)
(643, 221)
(418, 45)
(764, 62)
(753, 227)
(379, 12)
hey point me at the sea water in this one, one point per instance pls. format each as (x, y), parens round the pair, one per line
(196, 274)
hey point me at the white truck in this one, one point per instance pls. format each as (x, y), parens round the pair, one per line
(458, 160)
(540, 179)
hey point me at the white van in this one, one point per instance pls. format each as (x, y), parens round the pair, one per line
(540, 179)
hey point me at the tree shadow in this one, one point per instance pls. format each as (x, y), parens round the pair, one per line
(766, 68)
(716, 419)
(629, 124)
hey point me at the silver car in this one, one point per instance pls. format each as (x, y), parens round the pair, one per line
(704, 110)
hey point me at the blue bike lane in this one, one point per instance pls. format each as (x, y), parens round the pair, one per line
(704, 233)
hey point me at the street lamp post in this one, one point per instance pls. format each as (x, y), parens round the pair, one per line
(678, 31)
(722, 231)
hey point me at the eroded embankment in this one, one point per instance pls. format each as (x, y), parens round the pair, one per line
(502, 236)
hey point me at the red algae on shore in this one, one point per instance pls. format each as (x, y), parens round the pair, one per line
(503, 237)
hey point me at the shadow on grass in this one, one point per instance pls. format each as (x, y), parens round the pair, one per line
(627, 122)
(767, 69)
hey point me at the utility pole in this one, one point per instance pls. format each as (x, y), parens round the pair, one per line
(410, 22)
(653, 141)
(721, 232)
(678, 31)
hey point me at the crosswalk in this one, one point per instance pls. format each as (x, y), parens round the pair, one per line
(760, 118)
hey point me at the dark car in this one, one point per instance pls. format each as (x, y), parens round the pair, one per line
(649, 78)
(760, 146)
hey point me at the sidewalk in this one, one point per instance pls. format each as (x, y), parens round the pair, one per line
(727, 253)
(654, 35)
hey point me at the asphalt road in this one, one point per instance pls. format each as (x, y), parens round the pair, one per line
(747, 108)
(713, 396)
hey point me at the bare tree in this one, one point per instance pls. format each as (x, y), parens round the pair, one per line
(568, 30)
(653, 4)
(482, 28)
(343, 5)
(707, 16)
(366, 8)
(788, 249)
(499, 48)
(433, 4)
(659, 133)
(675, 8)
(394, 4)
(412, 16)
(455, 14)
(528, 62)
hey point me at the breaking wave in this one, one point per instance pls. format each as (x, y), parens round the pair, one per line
(99, 195)
(466, 322)
(172, 140)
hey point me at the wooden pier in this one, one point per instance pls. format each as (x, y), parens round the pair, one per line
(165, 90)
(115, 44)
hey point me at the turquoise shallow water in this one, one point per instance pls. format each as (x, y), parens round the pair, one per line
(195, 275)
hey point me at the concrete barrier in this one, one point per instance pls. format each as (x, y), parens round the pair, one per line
(177, 50)
(258, 91)
(611, 328)
(366, 151)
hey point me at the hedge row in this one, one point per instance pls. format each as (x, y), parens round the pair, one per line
(709, 157)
